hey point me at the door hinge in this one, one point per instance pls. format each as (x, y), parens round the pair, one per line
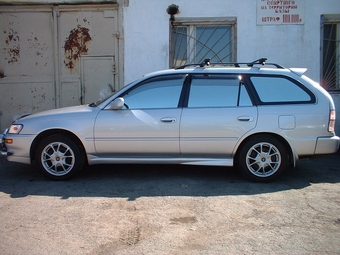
(114, 71)
(113, 89)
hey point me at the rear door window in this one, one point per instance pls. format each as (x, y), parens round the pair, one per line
(218, 91)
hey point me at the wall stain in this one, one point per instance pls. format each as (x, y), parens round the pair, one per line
(76, 45)
(39, 48)
(12, 40)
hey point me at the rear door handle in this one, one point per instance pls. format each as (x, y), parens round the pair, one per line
(168, 120)
(245, 118)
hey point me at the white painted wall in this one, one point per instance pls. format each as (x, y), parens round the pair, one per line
(146, 38)
(146, 33)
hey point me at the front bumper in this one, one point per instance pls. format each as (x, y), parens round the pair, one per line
(3, 149)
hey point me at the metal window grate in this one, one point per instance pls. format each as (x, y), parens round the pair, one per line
(331, 56)
(192, 43)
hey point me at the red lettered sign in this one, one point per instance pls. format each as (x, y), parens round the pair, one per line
(280, 12)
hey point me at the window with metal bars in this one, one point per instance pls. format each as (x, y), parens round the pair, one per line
(330, 53)
(193, 40)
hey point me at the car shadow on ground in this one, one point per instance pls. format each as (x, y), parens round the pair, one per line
(134, 181)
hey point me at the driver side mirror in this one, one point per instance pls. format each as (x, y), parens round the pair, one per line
(116, 104)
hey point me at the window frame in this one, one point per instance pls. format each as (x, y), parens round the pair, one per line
(209, 21)
(330, 19)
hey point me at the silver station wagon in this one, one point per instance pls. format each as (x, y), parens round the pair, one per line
(259, 117)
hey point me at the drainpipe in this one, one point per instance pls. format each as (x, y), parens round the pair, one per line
(56, 57)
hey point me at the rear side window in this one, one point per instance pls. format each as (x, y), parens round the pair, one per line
(280, 90)
(218, 91)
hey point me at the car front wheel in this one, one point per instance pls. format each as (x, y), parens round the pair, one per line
(59, 157)
(262, 158)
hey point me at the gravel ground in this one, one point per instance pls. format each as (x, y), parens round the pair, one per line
(157, 209)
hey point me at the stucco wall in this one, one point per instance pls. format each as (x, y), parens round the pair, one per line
(146, 33)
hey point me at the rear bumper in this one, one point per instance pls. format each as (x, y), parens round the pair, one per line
(327, 145)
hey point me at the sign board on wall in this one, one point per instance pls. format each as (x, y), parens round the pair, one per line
(280, 12)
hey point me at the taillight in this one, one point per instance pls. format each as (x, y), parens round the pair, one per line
(331, 126)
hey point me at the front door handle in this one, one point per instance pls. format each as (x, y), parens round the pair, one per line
(168, 120)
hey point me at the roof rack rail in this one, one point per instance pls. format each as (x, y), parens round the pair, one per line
(206, 62)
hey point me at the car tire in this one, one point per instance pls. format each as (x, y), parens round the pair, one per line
(59, 157)
(262, 158)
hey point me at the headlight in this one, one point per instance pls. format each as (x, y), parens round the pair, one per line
(15, 129)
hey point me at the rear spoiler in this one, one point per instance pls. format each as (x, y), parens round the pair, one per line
(298, 71)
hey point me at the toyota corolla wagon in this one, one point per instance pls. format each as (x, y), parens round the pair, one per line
(260, 118)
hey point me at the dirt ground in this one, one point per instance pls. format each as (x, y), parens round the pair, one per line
(157, 209)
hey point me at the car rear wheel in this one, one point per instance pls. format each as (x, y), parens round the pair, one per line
(59, 157)
(262, 158)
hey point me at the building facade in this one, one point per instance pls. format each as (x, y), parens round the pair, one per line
(57, 53)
